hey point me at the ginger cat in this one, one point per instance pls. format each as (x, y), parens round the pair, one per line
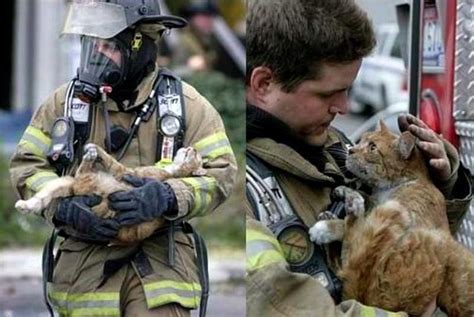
(100, 174)
(398, 256)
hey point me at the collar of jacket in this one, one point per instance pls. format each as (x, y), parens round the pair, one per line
(143, 89)
(272, 141)
(283, 157)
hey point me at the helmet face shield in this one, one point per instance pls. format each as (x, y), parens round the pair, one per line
(102, 19)
(98, 19)
(103, 61)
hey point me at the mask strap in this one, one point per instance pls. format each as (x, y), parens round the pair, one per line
(136, 44)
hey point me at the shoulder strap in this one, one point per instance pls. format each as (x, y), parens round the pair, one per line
(170, 102)
(266, 197)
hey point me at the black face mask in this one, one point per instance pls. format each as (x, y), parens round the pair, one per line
(111, 62)
(140, 62)
(103, 62)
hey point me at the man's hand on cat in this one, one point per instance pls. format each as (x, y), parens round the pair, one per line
(76, 213)
(150, 200)
(430, 143)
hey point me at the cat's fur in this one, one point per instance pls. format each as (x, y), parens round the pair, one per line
(398, 256)
(100, 174)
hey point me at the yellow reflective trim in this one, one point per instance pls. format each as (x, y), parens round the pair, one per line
(37, 133)
(203, 189)
(252, 235)
(214, 146)
(263, 259)
(85, 296)
(367, 311)
(256, 259)
(213, 138)
(163, 163)
(37, 181)
(220, 151)
(174, 298)
(64, 303)
(87, 312)
(31, 147)
(173, 284)
(35, 141)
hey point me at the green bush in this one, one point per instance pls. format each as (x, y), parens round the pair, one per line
(16, 229)
(226, 226)
(227, 95)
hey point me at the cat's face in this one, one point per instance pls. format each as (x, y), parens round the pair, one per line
(381, 157)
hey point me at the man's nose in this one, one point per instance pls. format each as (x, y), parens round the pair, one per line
(340, 104)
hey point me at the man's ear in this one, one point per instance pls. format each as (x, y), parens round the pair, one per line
(406, 144)
(260, 81)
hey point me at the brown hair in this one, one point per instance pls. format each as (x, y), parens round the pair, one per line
(295, 37)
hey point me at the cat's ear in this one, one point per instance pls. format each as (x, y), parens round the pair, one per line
(406, 144)
(383, 127)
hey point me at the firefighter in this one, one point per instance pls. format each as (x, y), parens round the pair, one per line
(302, 57)
(141, 114)
(199, 47)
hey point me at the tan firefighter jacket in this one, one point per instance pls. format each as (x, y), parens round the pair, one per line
(272, 289)
(76, 287)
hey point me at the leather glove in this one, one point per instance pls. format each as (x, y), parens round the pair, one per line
(75, 212)
(430, 143)
(150, 200)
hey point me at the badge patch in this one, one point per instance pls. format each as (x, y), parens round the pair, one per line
(80, 110)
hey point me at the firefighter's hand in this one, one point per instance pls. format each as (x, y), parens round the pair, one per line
(75, 212)
(430, 143)
(149, 200)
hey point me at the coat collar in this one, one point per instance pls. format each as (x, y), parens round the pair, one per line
(143, 89)
(283, 157)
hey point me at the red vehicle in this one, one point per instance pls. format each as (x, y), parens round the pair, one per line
(440, 34)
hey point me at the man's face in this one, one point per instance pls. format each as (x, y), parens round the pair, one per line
(312, 105)
(110, 49)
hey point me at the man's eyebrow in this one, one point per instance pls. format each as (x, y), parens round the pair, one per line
(333, 91)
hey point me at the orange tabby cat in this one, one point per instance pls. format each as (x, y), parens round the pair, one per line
(399, 256)
(100, 174)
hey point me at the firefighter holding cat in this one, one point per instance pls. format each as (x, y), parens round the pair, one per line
(121, 101)
(302, 57)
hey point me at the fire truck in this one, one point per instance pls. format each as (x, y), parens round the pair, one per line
(440, 60)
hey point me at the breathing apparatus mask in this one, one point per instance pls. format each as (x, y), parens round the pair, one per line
(119, 63)
(118, 42)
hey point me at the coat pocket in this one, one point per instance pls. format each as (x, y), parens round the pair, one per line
(172, 284)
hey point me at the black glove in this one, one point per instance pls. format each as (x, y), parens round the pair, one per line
(75, 212)
(148, 201)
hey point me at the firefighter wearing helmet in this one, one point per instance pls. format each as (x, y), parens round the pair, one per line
(141, 114)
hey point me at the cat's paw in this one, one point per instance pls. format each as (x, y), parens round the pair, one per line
(354, 203)
(187, 161)
(30, 206)
(321, 233)
(326, 215)
(90, 152)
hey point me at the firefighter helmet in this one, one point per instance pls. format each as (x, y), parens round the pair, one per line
(106, 18)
